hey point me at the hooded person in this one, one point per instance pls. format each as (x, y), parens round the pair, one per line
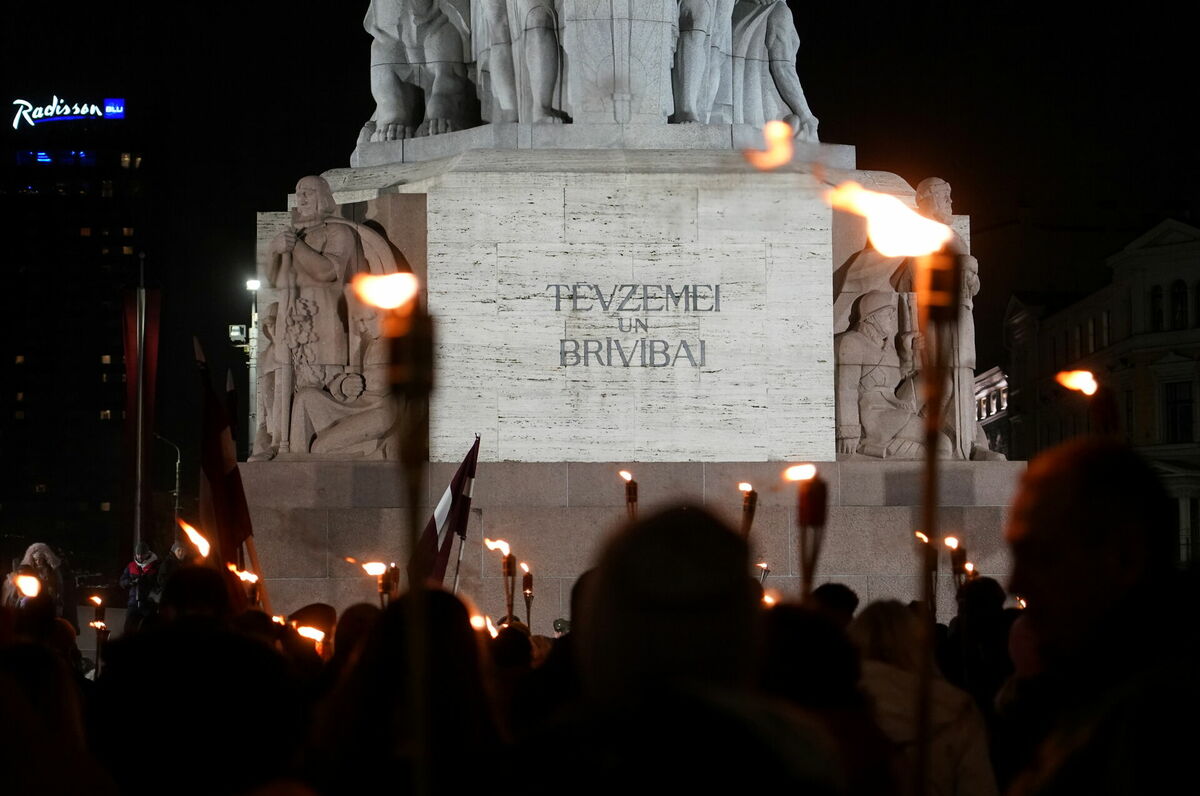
(56, 578)
(140, 578)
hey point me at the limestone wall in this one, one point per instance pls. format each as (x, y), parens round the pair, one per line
(309, 515)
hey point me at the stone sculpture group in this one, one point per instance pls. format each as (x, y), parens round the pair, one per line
(443, 65)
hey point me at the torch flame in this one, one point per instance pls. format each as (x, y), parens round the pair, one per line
(498, 544)
(921, 537)
(491, 628)
(951, 542)
(762, 565)
(478, 622)
(895, 229)
(387, 292)
(279, 620)
(1081, 380)
(1021, 602)
(778, 137)
(628, 476)
(800, 472)
(199, 542)
(311, 633)
(97, 625)
(374, 568)
(769, 599)
(95, 599)
(969, 567)
(745, 487)
(350, 560)
(29, 585)
(524, 566)
(248, 577)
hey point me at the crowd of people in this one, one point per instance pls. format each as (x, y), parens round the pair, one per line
(674, 676)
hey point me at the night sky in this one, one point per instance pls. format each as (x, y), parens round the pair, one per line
(1063, 133)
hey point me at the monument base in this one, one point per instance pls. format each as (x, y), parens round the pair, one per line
(309, 516)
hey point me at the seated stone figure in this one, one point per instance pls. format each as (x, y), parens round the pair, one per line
(877, 391)
(419, 58)
(765, 83)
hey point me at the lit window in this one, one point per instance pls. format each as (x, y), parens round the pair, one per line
(137, 161)
(19, 415)
(126, 160)
(103, 377)
(1003, 397)
(20, 397)
(106, 189)
(85, 232)
(126, 250)
(106, 506)
(40, 489)
(106, 359)
(106, 414)
(19, 358)
(127, 231)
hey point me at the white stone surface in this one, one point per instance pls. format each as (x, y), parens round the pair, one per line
(503, 226)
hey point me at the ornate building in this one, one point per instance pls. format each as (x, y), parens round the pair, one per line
(1140, 336)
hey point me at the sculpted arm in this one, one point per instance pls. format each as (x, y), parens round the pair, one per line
(328, 264)
(782, 45)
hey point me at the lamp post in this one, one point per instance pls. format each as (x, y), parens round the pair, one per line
(175, 492)
(252, 350)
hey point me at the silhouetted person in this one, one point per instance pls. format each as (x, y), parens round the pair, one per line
(975, 654)
(364, 729)
(888, 636)
(232, 708)
(837, 601)
(352, 629)
(811, 664)
(668, 655)
(1093, 541)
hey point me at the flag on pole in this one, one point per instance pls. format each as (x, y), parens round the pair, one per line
(223, 509)
(449, 519)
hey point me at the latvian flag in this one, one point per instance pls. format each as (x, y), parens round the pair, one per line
(449, 519)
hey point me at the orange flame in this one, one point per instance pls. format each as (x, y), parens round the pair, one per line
(478, 622)
(769, 599)
(745, 487)
(1021, 602)
(248, 577)
(800, 472)
(97, 625)
(497, 544)
(311, 633)
(1081, 380)
(491, 628)
(921, 537)
(29, 585)
(780, 149)
(199, 542)
(374, 568)
(387, 292)
(969, 567)
(350, 560)
(895, 229)
(95, 599)
(524, 566)
(279, 620)
(628, 476)
(951, 542)
(762, 565)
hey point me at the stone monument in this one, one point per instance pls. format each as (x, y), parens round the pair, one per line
(613, 288)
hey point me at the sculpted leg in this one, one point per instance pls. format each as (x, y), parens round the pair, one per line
(395, 105)
(500, 61)
(541, 61)
(695, 26)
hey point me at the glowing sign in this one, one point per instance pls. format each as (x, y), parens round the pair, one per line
(62, 111)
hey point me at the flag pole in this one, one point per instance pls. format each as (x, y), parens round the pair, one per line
(462, 542)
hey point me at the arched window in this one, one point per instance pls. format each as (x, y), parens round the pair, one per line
(1156, 308)
(1179, 304)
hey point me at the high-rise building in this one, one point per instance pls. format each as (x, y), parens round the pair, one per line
(75, 196)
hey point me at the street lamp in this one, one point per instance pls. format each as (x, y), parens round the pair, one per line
(175, 493)
(252, 350)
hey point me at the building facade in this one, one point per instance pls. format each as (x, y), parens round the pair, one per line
(74, 188)
(1140, 336)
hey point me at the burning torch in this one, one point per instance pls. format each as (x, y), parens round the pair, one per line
(812, 498)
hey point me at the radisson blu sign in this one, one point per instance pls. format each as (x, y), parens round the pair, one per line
(60, 110)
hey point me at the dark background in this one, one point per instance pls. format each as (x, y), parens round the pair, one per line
(1063, 132)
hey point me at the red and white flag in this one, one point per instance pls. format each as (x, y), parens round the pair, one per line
(450, 518)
